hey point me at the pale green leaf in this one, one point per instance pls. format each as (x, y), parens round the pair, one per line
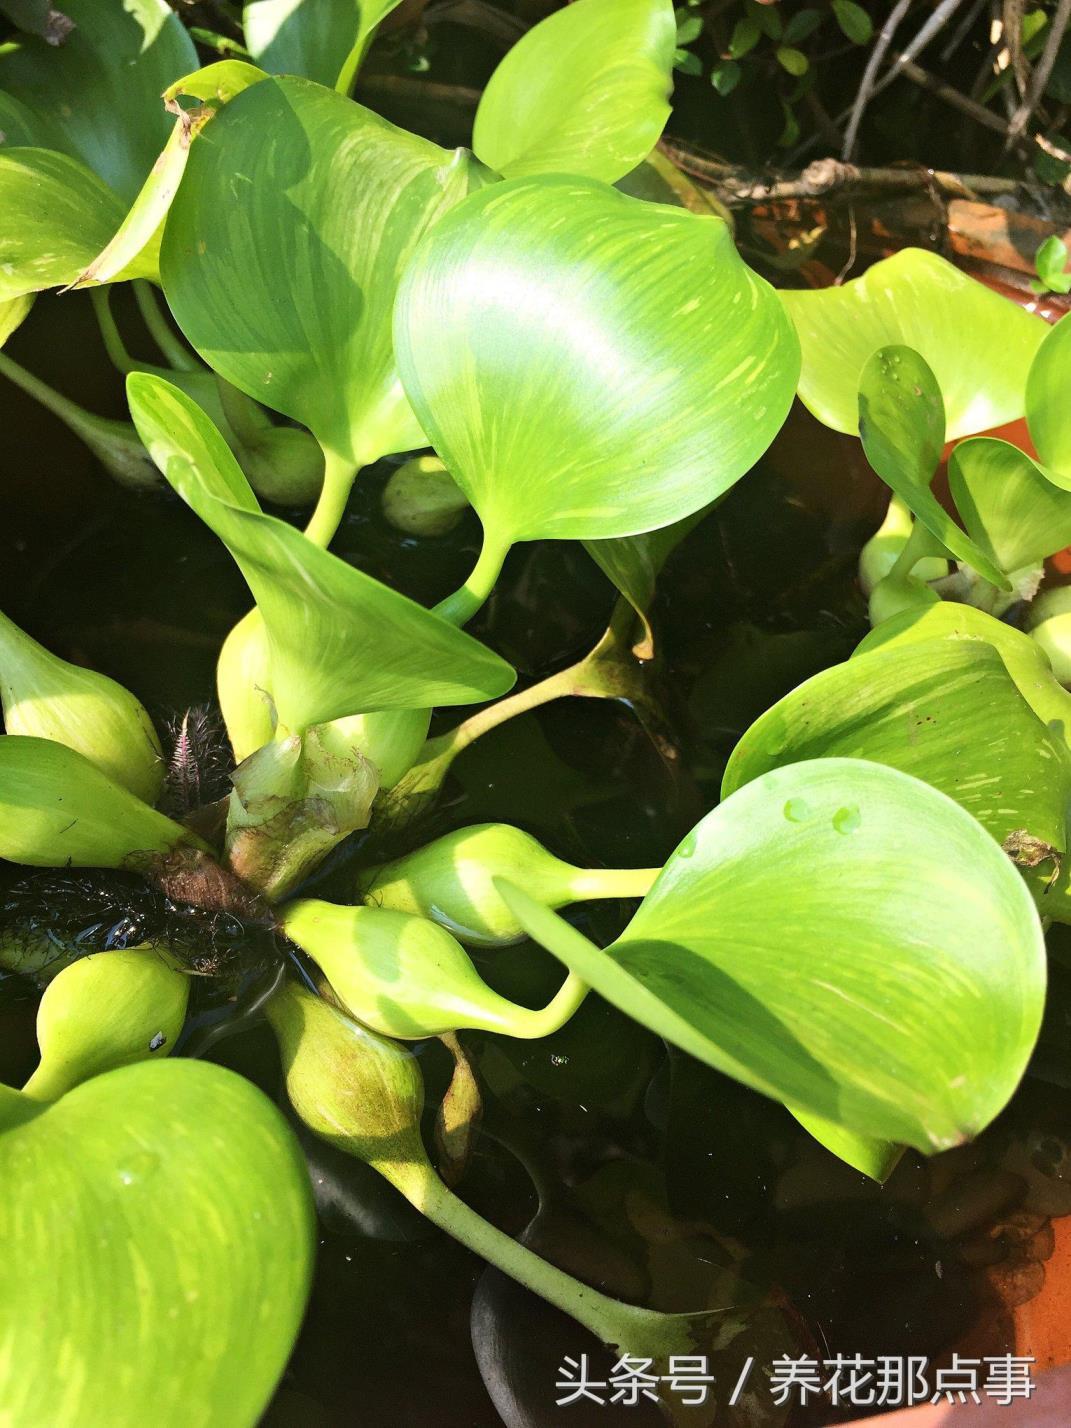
(588, 365)
(901, 424)
(296, 217)
(156, 1250)
(842, 937)
(585, 92)
(96, 97)
(1048, 397)
(1018, 511)
(978, 344)
(13, 313)
(341, 643)
(323, 40)
(946, 711)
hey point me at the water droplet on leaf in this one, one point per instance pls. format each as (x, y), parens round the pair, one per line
(796, 810)
(847, 820)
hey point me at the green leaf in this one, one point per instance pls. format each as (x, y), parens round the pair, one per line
(767, 17)
(854, 21)
(106, 1010)
(901, 423)
(725, 76)
(634, 563)
(157, 1240)
(56, 808)
(689, 28)
(843, 938)
(1050, 260)
(586, 364)
(1024, 660)
(979, 344)
(57, 217)
(876, 1158)
(341, 643)
(585, 92)
(324, 40)
(686, 62)
(1016, 510)
(213, 86)
(13, 313)
(945, 711)
(746, 35)
(110, 71)
(790, 134)
(793, 61)
(801, 26)
(283, 249)
(37, 17)
(1047, 389)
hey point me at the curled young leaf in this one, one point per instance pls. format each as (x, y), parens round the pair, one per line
(978, 344)
(586, 91)
(842, 937)
(340, 642)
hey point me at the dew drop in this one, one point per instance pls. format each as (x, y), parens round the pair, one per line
(847, 820)
(687, 848)
(138, 1167)
(796, 810)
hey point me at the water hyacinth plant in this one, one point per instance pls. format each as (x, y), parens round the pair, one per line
(855, 931)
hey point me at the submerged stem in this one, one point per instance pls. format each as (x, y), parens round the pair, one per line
(460, 607)
(339, 476)
(161, 331)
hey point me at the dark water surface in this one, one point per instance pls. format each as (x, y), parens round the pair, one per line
(658, 1179)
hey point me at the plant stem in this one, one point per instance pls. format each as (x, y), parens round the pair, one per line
(114, 345)
(460, 607)
(530, 1025)
(339, 475)
(920, 545)
(69, 412)
(593, 883)
(623, 1327)
(161, 331)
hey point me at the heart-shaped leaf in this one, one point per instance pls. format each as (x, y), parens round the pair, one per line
(586, 364)
(978, 344)
(946, 711)
(586, 92)
(213, 86)
(323, 40)
(296, 217)
(157, 1242)
(901, 423)
(110, 71)
(842, 937)
(56, 808)
(1017, 510)
(57, 217)
(341, 643)
(104, 1011)
(1047, 390)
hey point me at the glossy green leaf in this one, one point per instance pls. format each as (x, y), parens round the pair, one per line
(110, 71)
(323, 40)
(901, 424)
(298, 212)
(56, 808)
(106, 1010)
(842, 937)
(1017, 510)
(213, 87)
(57, 217)
(156, 1250)
(876, 1158)
(1024, 660)
(979, 344)
(1047, 391)
(404, 976)
(586, 91)
(586, 364)
(945, 711)
(341, 643)
(1050, 261)
(853, 21)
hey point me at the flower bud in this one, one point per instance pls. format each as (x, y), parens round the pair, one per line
(45, 697)
(293, 801)
(404, 976)
(422, 499)
(391, 740)
(353, 1088)
(243, 674)
(452, 881)
(1049, 619)
(884, 548)
(58, 809)
(106, 1010)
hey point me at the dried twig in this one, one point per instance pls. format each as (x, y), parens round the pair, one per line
(870, 75)
(1042, 71)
